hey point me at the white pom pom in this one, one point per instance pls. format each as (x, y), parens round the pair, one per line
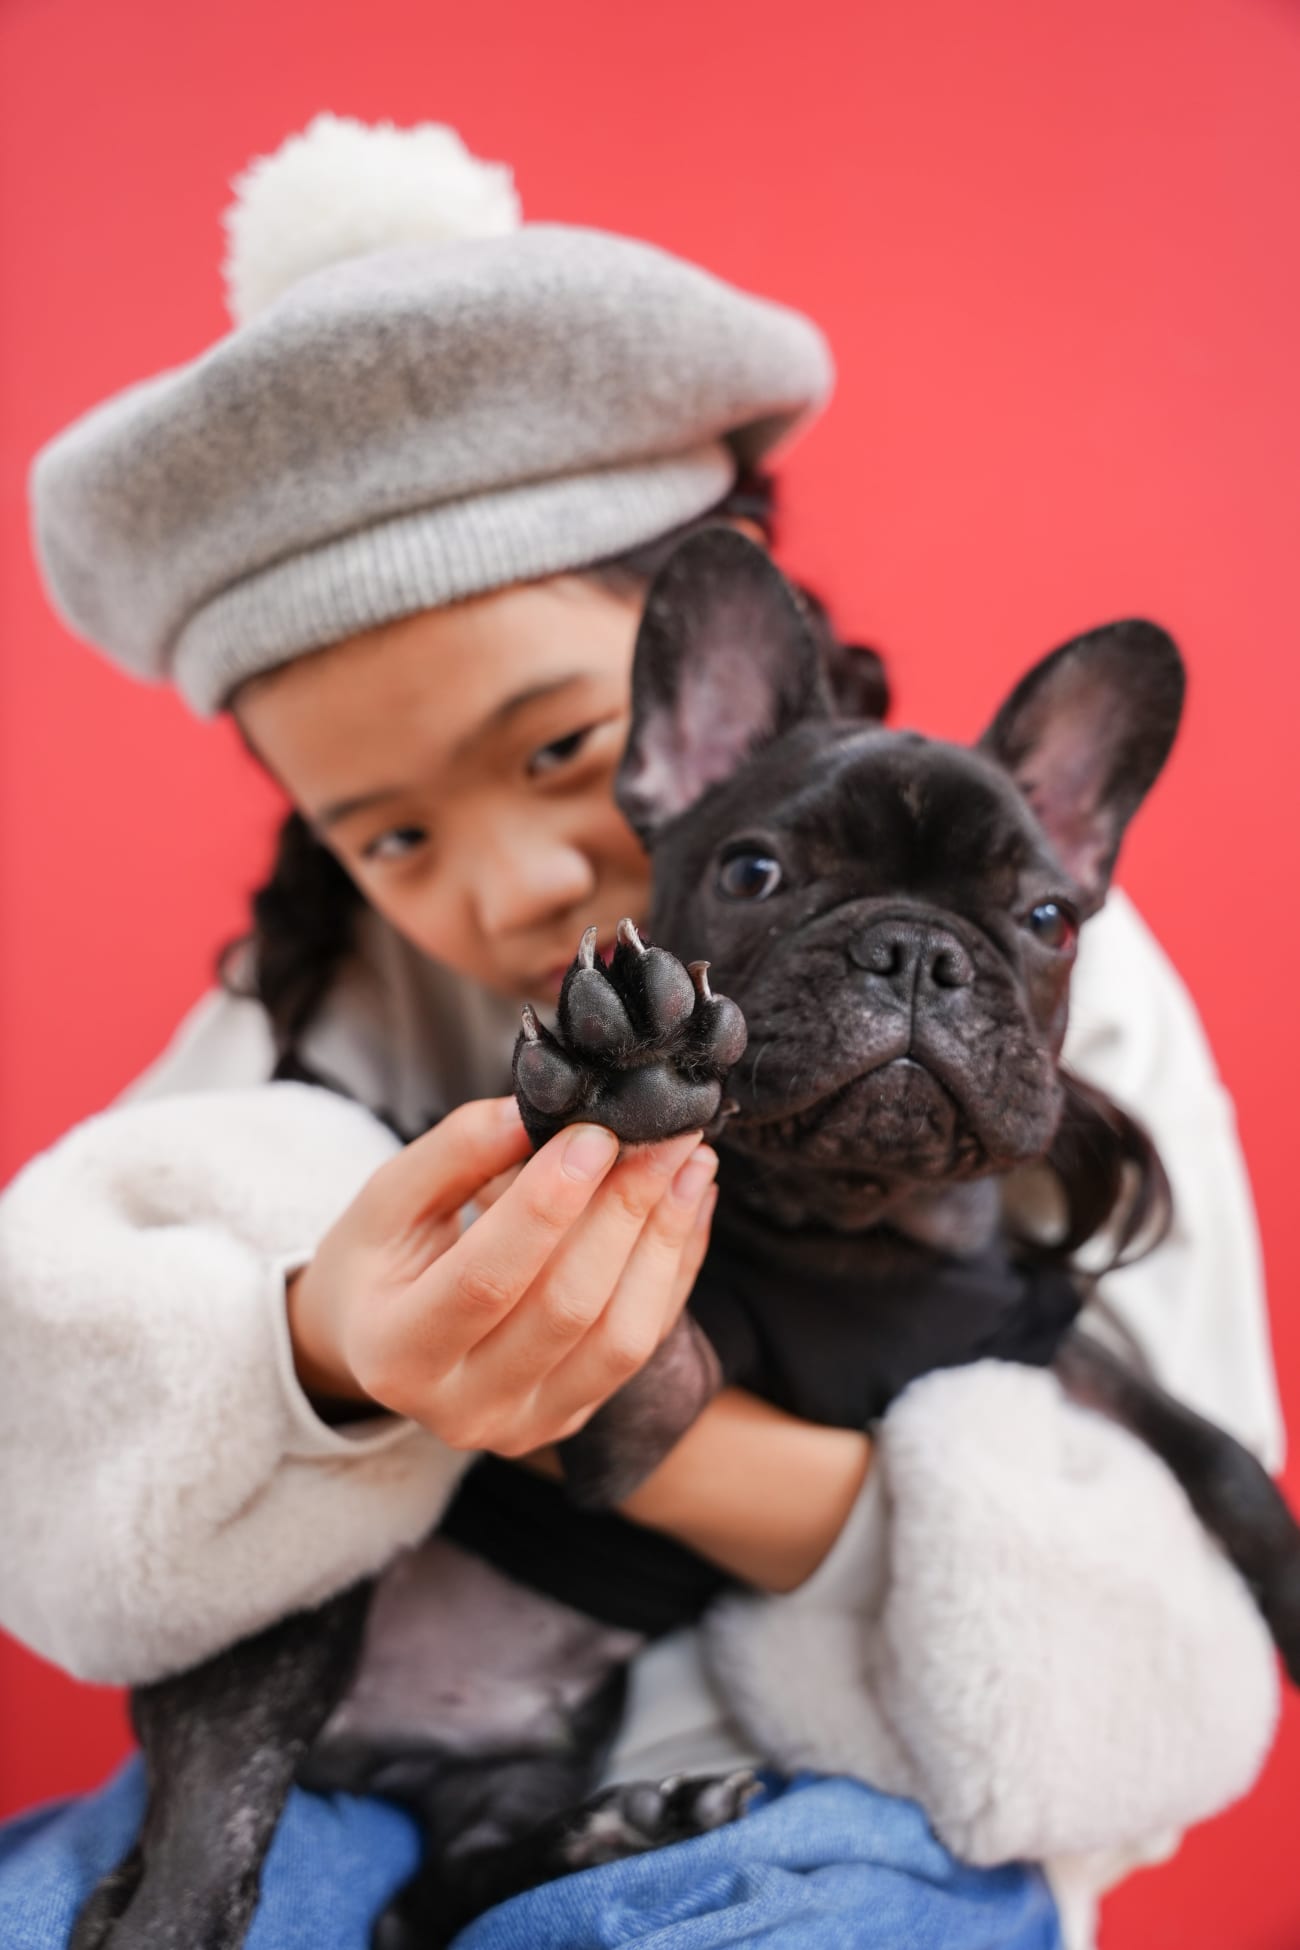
(344, 188)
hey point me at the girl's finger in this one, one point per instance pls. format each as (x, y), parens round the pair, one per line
(586, 1268)
(692, 1258)
(543, 1427)
(466, 1292)
(432, 1178)
(489, 1194)
(651, 1292)
(642, 1310)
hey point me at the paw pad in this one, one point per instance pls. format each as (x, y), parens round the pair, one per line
(642, 1046)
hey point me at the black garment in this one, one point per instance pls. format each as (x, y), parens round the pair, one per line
(598, 1562)
(833, 1344)
(836, 1342)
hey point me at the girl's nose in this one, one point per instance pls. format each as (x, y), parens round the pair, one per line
(523, 881)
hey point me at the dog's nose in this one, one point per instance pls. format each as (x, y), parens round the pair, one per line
(909, 955)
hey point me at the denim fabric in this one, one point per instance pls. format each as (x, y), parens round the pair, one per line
(332, 1866)
(820, 1864)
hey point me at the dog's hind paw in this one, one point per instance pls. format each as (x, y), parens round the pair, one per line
(642, 1046)
(641, 1815)
(447, 1892)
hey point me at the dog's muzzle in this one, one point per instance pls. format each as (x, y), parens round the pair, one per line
(895, 1092)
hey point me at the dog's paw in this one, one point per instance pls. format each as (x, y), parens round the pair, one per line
(642, 1046)
(641, 1815)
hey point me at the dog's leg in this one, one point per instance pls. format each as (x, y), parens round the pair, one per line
(221, 1745)
(1230, 1491)
(624, 1441)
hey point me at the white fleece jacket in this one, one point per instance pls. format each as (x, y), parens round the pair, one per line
(167, 1487)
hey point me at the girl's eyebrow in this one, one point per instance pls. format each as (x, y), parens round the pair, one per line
(497, 719)
(341, 809)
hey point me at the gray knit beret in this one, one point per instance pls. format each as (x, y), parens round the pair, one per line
(415, 423)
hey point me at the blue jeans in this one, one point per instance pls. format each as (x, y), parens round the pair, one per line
(819, 1864)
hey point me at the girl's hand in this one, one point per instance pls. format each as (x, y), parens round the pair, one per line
(508, 1335)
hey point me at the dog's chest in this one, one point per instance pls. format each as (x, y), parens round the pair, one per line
(836, 1346)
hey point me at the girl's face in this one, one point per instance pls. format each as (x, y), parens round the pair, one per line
(459, 764)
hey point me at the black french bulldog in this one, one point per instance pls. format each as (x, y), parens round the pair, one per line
(894, 919)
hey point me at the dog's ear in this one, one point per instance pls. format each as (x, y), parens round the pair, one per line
(726, 660)
(1085, 734)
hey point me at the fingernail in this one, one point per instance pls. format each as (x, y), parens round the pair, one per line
(695, 1175)
(591, 1149)
(508, 1111)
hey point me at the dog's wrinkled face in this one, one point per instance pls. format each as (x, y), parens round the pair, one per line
(896, 917)
(900, 941)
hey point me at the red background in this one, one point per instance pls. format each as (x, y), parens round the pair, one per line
(1055, 248)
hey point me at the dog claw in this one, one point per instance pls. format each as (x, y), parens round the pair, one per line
(532, 1030)
(587, 948)
(699, 974)
(666, 992)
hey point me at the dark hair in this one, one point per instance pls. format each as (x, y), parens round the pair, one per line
(1110, 1175)
(304, 924)
(304, 916)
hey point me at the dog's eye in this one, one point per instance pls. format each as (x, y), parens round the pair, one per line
(1052, 923)
(749, 876)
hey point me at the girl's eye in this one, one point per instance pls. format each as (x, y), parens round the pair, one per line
(396, 844)
(1052, 923)
(551, 757)
(749, 876)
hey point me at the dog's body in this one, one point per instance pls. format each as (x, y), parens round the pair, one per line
(896, 920)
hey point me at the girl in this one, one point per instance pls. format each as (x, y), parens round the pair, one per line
(400, 522)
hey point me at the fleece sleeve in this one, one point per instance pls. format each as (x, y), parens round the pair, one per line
(1024, 1628)
(166, 1487)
